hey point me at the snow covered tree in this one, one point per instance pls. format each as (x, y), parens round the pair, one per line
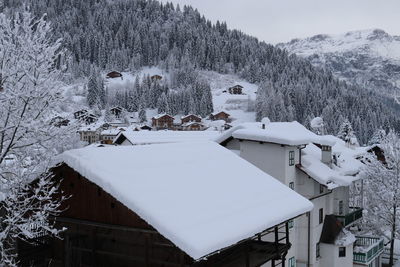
(346, 133)
(317, 125)
(142, 115)
(377, 137)
(162, 104)
(96, 96)
(382, 190)
(29, 99)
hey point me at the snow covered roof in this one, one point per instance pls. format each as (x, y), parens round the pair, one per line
(343, 173)
(186, 116)
(112, 131)
(157, 137)
(286, 133)
(162, 115)
(201, 212)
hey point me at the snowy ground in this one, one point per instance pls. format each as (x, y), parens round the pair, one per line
(236, 105)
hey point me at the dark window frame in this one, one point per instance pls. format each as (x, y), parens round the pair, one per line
(321, 215)
(342, 252)
(291, 158)
(318, 250)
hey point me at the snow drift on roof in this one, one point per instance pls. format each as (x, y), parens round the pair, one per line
(287, 133)
(343, 173)
(158, 137)
(227, 200)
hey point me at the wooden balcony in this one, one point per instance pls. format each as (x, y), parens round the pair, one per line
(367, 249)
(354, 215)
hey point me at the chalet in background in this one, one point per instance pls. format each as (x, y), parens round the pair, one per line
(163, 121)
(156, 78)
(59, 121)
(236, 90)
(114, 74)
(90, 134)
(116, 111)
(222, 115)
(113, 216)
(193, 126)
(190, 118)
(78, 114)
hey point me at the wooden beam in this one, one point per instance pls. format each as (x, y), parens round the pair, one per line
(104, 225)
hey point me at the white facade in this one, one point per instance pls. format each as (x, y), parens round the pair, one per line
(283, 162)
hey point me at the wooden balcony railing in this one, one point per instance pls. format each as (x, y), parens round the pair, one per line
(354, 215)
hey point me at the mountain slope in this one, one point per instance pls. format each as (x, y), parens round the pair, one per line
(127, 35)
(370, 58)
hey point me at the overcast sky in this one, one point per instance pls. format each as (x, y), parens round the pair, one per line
(277, 21)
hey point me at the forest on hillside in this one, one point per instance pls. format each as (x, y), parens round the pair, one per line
(125, 35)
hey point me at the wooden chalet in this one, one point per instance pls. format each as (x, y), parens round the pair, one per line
(236, 90)
(114, 74)
(222, 115)
(156, 78)
(59, 121)
(190, 118)
(116, 111)
(89, 118)
(105, 216)
(163, 121)
(193, 126)
(78, 114)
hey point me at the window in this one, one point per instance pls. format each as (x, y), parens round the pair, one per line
(290, 224)
(341, 207)
(291, 185)
(321, 188)
(317, 251)
(326, 148)
(321, 216)
(291, 158)
(342, 252)
(292, 262)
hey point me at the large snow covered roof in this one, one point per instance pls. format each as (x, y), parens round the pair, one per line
(158, 137)
(343, 173)
(200, 196)
(286, 133)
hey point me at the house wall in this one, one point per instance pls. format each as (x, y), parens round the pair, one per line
(330, 256)
(274, 160)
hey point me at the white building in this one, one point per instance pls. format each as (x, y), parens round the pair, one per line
(322, 169)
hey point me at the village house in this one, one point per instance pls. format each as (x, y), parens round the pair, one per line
(190, 118)
(89, 118)
(113, 216)
(221, 115)
(156, 78)
(236, 90)
(108, 136)
(116, 111)
(193, 126)
(59, 121)
(322, 169)
(114, 74)
(163, 121)
(90, 134)
(79, 113)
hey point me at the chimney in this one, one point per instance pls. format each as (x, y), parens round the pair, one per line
(264, 122)
(326, 155)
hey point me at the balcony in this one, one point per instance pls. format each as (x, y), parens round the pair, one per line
(353, 215)
(367, 249)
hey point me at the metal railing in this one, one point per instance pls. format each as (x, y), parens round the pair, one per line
(354, 215)
(367, 248)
